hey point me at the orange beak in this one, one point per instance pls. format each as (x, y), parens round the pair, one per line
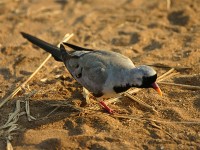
(156, 87)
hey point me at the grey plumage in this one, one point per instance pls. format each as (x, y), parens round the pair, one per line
(101, 72)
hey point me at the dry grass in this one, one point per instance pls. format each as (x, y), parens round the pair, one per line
(66, 38)
(11, 125)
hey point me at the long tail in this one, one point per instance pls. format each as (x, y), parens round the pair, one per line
(55, 51)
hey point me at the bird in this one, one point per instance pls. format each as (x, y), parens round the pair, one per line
(103, 73)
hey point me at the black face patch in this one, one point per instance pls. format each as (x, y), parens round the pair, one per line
(147, 81)
(119, 89)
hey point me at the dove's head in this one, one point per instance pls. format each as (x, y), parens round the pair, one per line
(147, 77)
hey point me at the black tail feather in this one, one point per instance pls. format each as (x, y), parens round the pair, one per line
(77, 48)
(65, 56)
(55, 51)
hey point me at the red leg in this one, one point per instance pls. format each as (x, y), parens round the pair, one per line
(109, 110)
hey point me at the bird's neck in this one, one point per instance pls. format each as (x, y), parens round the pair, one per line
(131, 78)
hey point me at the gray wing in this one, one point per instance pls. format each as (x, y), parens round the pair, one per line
(88, 70)
(93, 68)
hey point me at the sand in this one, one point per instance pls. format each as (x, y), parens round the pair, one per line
(148, 32)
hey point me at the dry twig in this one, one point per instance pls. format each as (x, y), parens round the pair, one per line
(168, 4)
(166, 66)
(9, 145)
(154, 120)
(166, 74)
(192, 87)
(66, 38)
(140, 102)
(11, 124)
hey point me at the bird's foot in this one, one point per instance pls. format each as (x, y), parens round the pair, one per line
(108, 109)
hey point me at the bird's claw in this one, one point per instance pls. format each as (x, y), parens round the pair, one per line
(108, 109)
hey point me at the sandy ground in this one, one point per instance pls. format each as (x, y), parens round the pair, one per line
(146, 31)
